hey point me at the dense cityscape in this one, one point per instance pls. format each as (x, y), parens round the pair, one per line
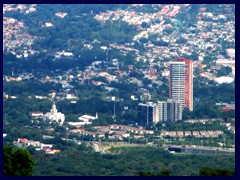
(107, 81)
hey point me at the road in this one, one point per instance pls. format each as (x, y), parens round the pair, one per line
(96, 147)
(202, 149)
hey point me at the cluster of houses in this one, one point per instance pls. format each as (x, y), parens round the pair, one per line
(48, 148)
(15, 36)
(197, 134)
(114, 131)
(14, 33)
(21, 7)
(137, 18)
(61, 14)
(229, 126)
(196, 42)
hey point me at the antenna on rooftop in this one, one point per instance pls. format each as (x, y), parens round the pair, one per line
(12, 71)
(114, 107)
(107, 54)
(53, 96)
(114, 115)
(118, 66)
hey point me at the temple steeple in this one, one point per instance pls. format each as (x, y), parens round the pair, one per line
(54, 108)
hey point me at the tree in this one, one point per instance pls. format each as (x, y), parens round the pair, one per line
(17, 162)
(207, 171)
(224, 71)
(145, 25)
(165, 172)
(181, 40)
(228, 115)
(143, 40)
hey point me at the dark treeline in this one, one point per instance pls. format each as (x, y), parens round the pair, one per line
(131, 162)
(81, 160)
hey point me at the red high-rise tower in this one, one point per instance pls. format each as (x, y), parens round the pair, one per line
(181, 82)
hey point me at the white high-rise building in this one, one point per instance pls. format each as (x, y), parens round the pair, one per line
(181, 82)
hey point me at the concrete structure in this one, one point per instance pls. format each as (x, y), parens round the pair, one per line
(79, 123)
(83, 120)
(225, 62)
(36, 114)
(87, 118)
(181, 82)
(130, 129)
(23, 142)
(230, 107)
(231, 52)
(54, 115)
(169, 111)
(224, 79)
(147, 113)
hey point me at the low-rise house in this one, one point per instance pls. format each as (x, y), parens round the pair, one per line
(204, 134)
(187, 133)
(16, 79)
(34, 143)
(44, 146)
(218, 132)
(195, 133)
(40, 97)
(51, 151)
(180, 133)
(211, 133)
(138, 136)
(172, 133)
(71, 96)
(232, 129)
(122, 134)
(23, 142)
(84, 132)
(47, 137)
(164, 133)
(36, 114)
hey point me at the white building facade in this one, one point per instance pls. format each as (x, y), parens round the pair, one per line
(54, 116)
(169, 111)
(181, 82)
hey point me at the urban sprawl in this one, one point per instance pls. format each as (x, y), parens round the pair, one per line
(203, 39)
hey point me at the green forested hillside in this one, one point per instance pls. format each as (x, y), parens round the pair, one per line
(130, 162)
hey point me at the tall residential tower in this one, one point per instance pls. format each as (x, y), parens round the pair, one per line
(181, 82)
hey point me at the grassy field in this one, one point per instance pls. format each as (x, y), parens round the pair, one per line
(111, 147)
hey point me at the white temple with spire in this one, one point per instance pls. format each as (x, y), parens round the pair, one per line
(54, 115)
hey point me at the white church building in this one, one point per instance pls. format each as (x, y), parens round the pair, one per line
(54, 115)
